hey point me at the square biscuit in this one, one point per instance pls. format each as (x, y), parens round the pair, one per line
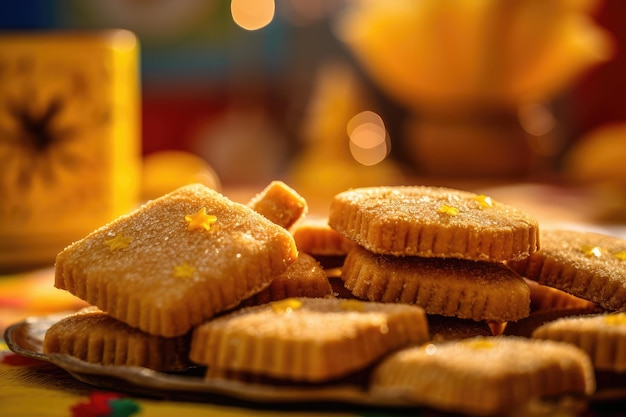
(176, 261)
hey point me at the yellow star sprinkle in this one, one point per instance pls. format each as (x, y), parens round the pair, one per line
(484, 201)
(480, 344)
(118, 242)
(286, 306)
(445, 209)
(621, 255)
(200, 220)
(592, 251)
(184, 270)
(616, 319)
(352, 305)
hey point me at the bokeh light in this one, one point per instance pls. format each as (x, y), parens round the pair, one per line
(369, 141)
(252, 14)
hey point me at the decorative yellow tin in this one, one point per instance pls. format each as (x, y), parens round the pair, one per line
(70, 146)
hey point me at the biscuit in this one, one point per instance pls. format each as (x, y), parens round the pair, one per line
(95, 337)
(280, 204)
(602, 336)
(304, 277)
(176, 261)
(450, 287)
(587, 265)
(483, 375)
(543, 298)
(452, 328)
(306, 339)
(433, 222)
(525, 327)
(315, 237)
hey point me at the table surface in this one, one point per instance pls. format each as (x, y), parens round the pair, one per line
(33, 388)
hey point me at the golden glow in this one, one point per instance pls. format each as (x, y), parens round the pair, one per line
(252, 14)
(123, 41)
(369, 142)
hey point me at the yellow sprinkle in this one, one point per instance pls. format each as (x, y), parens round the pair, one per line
(621, 255)
(118, 242)
(184, 270)
(480, 344)
(200, 220)
(484, 201)
(286, 306)
(616, 318)
(452, 211)
(352, 305)
(592, 251)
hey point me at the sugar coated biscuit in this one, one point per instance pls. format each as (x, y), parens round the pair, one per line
(585, 264)
(451, 287)
(176, 261)
(433, 222)
(544, 298)
(315, 237)
(525, 327)
(307, 339)
(484, 375)
(602, 336)
(93, 336)
(453, 328)
(280, 204)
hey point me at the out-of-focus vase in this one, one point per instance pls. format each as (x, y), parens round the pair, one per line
(466, 67)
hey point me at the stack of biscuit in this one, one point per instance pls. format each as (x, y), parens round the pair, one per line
(407, 288)
(442, 249)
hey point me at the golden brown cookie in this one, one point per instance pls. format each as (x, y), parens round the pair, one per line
(525, 327)
(602, 336)
(314, 236)
(484, 375)
(433, 222)
(450, 287)
(544, 298)
(280, 204)
(176, 261)
(587, 265)
(304, 277)
(93, 336)
(453, 328)
(307, 339)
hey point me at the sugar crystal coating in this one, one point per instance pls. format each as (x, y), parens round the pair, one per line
(433, 222)
(306, 339)
(170, 277)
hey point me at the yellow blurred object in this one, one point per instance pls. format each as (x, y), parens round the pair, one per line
(465, 68)
(70, 146)
(327, 166)
(164, 171)
(442, 53)
(599, 155)
(596, 161)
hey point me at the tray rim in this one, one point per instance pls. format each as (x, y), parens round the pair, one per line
(137, 379)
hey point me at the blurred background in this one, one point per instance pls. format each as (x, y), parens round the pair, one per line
(241, 98)
(330, 94)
